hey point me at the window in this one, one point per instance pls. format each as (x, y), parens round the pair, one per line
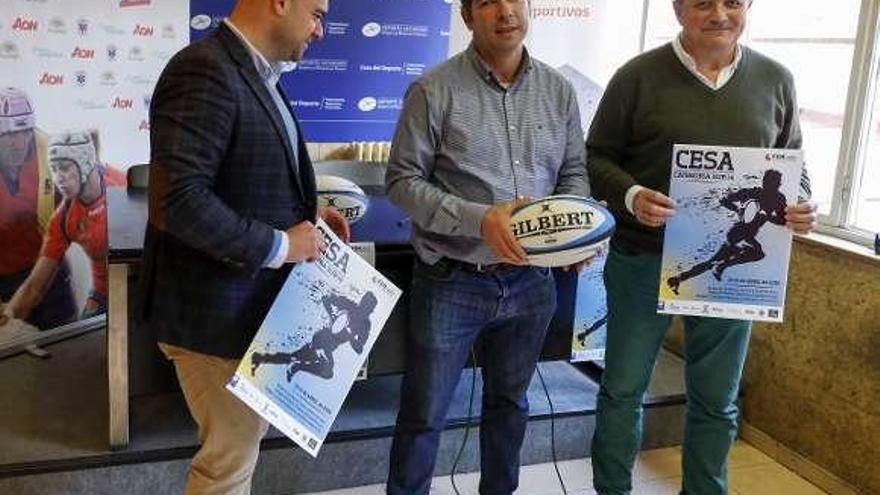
(867, 205)
(855, 209)
(816, 44)
(865, 184)
(660, 25)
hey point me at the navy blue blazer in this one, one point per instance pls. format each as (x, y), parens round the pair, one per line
(222, 177)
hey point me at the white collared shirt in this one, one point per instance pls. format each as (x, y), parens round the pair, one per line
(724, 75)
(269, 71)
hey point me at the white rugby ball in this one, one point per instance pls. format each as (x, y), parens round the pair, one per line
(561, 230)
(343, 195)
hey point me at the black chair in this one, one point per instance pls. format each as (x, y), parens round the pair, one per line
(138, 176)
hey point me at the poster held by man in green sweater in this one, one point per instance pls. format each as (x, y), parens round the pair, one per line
(726, 251)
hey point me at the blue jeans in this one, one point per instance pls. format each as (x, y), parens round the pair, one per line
(450, 307)
(715, 352)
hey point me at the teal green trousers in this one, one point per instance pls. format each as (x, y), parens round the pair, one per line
(715, 353)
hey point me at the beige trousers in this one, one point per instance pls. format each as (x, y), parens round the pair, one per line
(229, 431)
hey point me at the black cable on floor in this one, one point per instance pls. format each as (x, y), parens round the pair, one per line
(552, 430)
(467, 426)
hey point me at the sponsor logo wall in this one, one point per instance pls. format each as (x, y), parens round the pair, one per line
(351, 85)
(92, 64)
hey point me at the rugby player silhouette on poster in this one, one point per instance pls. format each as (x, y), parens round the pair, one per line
(754, 206)
(582, 337)
(349, 322)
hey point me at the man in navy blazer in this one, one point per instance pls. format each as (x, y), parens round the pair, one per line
(231, 206)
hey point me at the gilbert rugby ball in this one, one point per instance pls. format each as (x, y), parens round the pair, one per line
(561, 230)
(342, 194)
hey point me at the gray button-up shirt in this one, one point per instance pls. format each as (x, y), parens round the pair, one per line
(464, 142)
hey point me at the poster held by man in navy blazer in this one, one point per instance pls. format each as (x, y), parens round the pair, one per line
(314, 341)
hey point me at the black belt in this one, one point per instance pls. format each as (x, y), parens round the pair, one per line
(479, 267)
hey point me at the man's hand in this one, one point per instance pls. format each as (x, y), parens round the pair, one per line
(652, 208)
(305, 242)
(337, 223)
(802, 218)
(496, 232)
(91, 308)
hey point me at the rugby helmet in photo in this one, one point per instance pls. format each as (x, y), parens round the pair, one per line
(78, 147)
(16, 111)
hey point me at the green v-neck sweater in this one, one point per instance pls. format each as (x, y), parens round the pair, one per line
(654, 102)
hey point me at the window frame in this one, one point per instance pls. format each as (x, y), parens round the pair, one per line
(861, 97)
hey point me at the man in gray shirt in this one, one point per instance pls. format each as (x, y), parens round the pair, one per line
(478, 133)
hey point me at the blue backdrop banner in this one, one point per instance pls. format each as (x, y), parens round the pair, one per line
(350, 86)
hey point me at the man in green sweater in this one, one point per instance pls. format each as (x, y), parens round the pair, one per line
(702, 88)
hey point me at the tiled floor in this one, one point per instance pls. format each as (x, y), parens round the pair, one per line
(657, 472)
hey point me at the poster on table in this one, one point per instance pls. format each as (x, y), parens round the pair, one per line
(76, 80)
(313, 342)
(590, 313)
(726, 250)
(350, 85)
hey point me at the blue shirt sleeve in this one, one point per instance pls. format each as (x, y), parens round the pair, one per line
(276, 246)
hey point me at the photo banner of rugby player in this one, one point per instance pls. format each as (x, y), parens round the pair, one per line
(74, 97)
